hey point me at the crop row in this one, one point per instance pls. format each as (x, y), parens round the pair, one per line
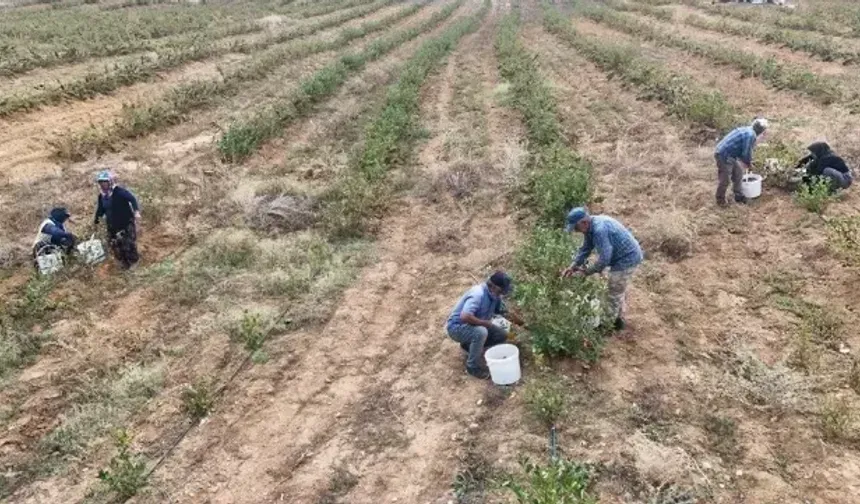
(824, 47)
(114, 39)
(362, 192)
(141, 119)
(680, 94)
(769, 70)
(556, 179)
(322, 10)
(820, 20)
(243, 138)
(96, 83)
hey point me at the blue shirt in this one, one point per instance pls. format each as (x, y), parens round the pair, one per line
(477, 301)
(616, 246)
(738, 144)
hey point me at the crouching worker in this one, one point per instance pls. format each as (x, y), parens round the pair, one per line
(470, 322)
(121, 212)
(617, 250)
(823, 162)
(52, 234)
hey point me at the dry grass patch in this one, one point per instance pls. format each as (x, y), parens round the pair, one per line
(283, 212)
(446, 241)
(672, 232)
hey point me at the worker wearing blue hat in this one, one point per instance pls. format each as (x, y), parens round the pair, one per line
(470, 322)
(53, 233)
(617, 250)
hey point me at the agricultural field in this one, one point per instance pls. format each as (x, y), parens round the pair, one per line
(320, 181)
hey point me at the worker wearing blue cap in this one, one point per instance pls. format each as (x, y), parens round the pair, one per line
(617, 250)
(470, 322)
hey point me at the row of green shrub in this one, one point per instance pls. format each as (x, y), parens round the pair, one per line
(681, 95)
(556, 179)
(243, 138)
(769, 70)
(362, 192)
(138, 120)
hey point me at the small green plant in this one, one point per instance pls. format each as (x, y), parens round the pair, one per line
(836, 419)
(804, 356)
(249, 331)
(126, 472)
(814, 195)
(545, 398)
(198, 399)
(559, 482)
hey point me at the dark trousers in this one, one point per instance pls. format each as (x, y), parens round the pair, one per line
(123, 245)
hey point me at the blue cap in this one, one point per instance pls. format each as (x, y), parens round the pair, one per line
(502, 280)
(573, 218)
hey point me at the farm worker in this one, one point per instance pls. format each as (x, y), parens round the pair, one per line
(617, 250)
(52, 231)
(734, 156)
(121, 212)
(823, 162)
(470, 322)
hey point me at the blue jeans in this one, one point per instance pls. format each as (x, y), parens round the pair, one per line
(477, 338)
(838, 180)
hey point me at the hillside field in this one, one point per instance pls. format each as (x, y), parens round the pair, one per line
(321, 180)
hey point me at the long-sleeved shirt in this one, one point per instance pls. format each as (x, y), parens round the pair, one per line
(477, 301)
(738, 144)
(820, 158)
(53, 232)
(118, 209)
(616, 246)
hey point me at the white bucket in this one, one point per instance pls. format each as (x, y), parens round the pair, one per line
(751, 185)
(504, 363)
(50, 263)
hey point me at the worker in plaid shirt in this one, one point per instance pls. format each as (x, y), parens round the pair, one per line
(734, 156)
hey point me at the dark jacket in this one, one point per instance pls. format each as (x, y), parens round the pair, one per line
(118, 209)
(821, 156)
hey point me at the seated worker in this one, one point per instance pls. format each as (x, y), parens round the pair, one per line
(823, 162)
(52, 231)
(470, 322)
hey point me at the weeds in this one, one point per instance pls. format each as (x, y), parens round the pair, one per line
(227, 254)
(249, 331)
(545, 398)
(559, 482)
(843, 236)
(340, 483)
(680, 94)
(836, 419)
(241, 139)
(198, 399)
(776, 160)
(671, 232)
(722, 434)
(361, 192)
(815, 195)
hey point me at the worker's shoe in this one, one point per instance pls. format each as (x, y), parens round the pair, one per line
(481, 373)
(741, 200)
(619, 325)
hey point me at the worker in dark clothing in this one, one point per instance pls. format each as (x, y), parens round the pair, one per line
(52, 233)
(121, 212)
(823, 162)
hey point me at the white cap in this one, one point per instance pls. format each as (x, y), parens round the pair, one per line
(760, 123)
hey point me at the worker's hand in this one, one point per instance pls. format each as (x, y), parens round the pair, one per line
(573, 271)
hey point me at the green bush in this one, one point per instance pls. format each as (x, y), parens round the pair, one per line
(198, 399)
(545, 398)
(559, 310)
(559, 482)
(249, 331)
(126, 472)
(814, 195)
(843, 236)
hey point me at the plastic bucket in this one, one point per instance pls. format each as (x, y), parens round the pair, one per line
(751, 185)
(504, 363)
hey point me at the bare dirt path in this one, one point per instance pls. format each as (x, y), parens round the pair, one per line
(676, 365)
(379, 390)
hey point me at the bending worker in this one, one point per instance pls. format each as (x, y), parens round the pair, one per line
(470, 322)
(823, 162)
(617, 249)
(121, 212)
(52, 232)
(734, 156)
